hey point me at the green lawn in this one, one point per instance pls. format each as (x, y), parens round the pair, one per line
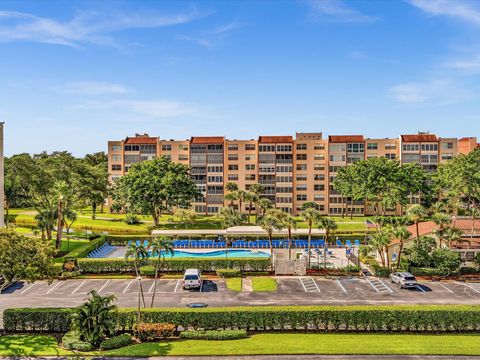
(267, 344)
(234, 284)
(264, 284)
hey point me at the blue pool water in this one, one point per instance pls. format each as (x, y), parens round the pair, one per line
(219, 254)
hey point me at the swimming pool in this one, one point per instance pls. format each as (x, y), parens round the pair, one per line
(219, 254)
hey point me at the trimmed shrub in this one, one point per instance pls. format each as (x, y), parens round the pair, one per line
(214, 334)
(405, 318)
(84, 250)
(152, 331)
(467, 270)
(81, 346)
(147, 270)
(228, 273)
(432, 272)
(101, 266)
(71, 341)
(382, 271)
(116, 342)
(131, 219)
(37, 319)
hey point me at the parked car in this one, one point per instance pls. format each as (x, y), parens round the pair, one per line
(192, 279)
(404, 279)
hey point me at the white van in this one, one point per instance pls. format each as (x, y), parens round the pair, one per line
(192, 279)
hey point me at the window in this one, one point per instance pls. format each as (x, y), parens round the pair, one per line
(249, 157)
(249, 177)
(355, 148)
(116, 167)
(369, 156)
(301, 156)
(116, 158)
(319, 187)
(317, 197)
(148, 149)
(215, 178)
(166, 147)
(232, 157)
(318, 157)
(284, 189)
(116, 148)
(319, 177)
(429, 147)
(333, 169)
(390, 146)
(233, 177)
(284, 169)
(132, 148)
(372, 146)
(319, 147)
(302, 187)
(410, 147)
(250, 167)
(301, 178)
(284, 179)
(447, 156)
(232, 167)
(301, 197)
(447, 145)
(183, 157)
(301, 146)
(284, 148)
(391, 156)
(250, 147)
(410, 158)
(336, 158)
(182, 147)
(337, 148)
(266, 148)
(233, 147)
(318, 167)
(215, 169)
(301, 167)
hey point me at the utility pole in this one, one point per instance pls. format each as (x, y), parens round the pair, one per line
(2, 180)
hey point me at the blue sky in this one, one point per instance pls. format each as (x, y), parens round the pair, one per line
(74, 74)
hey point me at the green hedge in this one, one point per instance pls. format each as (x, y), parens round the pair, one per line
(228, 273)
(101, 266)
(214, 334)
(84, 250)
(438, 318)
(116, 342)
(432, 272)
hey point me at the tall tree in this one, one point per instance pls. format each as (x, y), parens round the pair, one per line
(264, 204)
(402, 234)
(442, 221)
(310, 216)
(270, 222)
(159, 247)
(91, 181)
(289, 223)
(156, 186)
(256, 189)
(230, 217)
(417, 214)
(138, 253)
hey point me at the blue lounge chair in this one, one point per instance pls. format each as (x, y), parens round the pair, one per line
(322, 243)
(137, 242)
(145, 243)
(357, 242)
(339, 243)
(348, 243)
(129, 242)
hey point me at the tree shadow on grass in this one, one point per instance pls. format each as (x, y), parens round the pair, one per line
(28, 345)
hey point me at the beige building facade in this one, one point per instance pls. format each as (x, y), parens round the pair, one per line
(292, 169)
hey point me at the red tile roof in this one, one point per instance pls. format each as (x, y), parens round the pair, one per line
(345, 138)
(419, 138)
(207, 140)
(141, 140)
(275, 139)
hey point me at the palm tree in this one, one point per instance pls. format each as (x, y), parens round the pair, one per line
(138, 252)
(158, 248)
(453, 235)
(402, 234)
(257, 190)
(249, 197)
(310, 216)
(242, 196)
(329, 225)
(231, 186)
(416, 213)
(290, 223)
(95, 319)
(231, 197)
(265, 204)
(46, 221)
(379, 242)
(442, 221)
(271, 221)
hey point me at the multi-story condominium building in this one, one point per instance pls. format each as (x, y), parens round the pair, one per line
(291, 170)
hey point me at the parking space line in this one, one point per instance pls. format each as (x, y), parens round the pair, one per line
(420, 288)
(126, 287)
(301, 282)
(176, 286)
(78, 287)
(103, 286)
(446, 288)
(54, 287)
(151, 287)
(309, 284)
(341, 286)
(201, 285)
(372, 285)
(471, 287)
(381, 282)
(28, 288)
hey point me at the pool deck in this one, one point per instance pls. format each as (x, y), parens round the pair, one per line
(119, 251)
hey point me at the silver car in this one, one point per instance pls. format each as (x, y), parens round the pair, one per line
(404, 279)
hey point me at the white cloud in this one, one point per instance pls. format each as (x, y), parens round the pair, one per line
(469, 66)
(336, 11)
(94, 88)
(197, 40)
(438, 92)
(84, 27)
(156, 109)
(467, 11)
(209, 38)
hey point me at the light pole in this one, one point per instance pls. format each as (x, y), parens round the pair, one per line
(2, 180)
